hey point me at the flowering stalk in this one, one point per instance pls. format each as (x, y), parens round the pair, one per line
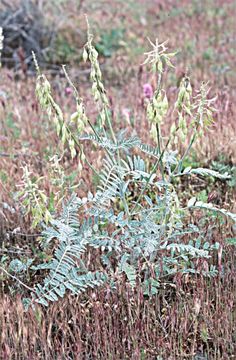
(34, 200)
(157, 107)
(184, 107)
(44, 95)
(79, 116)
(99, 94)
(98, 89)
(203, 118)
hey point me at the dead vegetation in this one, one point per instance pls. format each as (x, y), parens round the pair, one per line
(190, 318)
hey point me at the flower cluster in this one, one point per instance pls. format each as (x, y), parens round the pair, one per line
(98, 90)
(79, 116)
(156, 110)
(184, 106)
(158, 57)
(204, 108)
(33, 199)
(147, 91)
(44, 95)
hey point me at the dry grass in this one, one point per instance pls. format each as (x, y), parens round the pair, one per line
(190, 318)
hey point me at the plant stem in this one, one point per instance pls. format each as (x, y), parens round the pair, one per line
(152, 172)
(159, 150)
(193, 138)
(86, 160)
(15, 278)
(109, 124)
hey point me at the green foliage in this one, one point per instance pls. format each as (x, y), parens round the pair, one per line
(63, 50)
(222, 165)
(231, 241)
(110, 42)
(205, 172)
(193, 203)
(17, 266)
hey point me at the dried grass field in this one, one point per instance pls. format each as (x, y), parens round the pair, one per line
(118, 180)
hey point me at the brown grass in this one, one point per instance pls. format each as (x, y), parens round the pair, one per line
(189, 318)
(193, 319)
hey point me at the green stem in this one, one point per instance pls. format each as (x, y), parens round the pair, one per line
(150, 176)
(192, 140)
(153, 170)
(126, 207)
(15, 278)
(86, 160)
(109, 124)
(159, 150)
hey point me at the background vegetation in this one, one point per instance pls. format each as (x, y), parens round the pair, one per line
(184, 318)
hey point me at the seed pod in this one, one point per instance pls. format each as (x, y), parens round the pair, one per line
(103, 117)
(85, 55)
(63, 134)
(82, 156)
(72, 148)
(80, 167)
(74, 117)
(165, 103)
(80, 125)
(153, 132)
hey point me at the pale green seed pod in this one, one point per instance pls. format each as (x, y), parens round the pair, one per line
(63, 134)
(93, 74)
(181, 96)
(80, 167)
(74, 117)
(82, 156)
(94, 53)
(72, 147)
(150, 112)
(85, 55)
(158, 118)
(181, 120)
(189, 88)
(80, 126)
(58, 126)
(46, 84)
(103, 117)
(47, 216)
(165, 103)
(153, 132)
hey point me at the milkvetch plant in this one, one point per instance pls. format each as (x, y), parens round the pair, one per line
(135, 221)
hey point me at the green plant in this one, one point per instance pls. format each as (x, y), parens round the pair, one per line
(110, 42)
(63, 50)
(222, 165)
(33, 199)
(146, 239)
